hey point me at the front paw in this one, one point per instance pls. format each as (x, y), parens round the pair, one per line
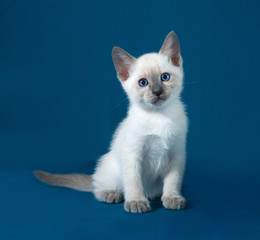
(137, 206)
(177, 202)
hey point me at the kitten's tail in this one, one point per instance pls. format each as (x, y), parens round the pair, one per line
(79, 182)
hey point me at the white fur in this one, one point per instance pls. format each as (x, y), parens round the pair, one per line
(147, 154)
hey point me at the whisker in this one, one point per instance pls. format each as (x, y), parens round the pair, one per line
(190, 82)
(121, 102)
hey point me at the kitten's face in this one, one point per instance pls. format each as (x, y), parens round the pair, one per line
(154, 79)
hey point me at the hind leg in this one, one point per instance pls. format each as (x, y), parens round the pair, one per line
(106, 180)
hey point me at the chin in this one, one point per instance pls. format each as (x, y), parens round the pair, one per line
(159, 104)
(159, 101)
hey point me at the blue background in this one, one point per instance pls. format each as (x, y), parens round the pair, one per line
(60, 102)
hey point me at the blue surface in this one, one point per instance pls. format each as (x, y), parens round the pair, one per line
(60, 102)
(217, 209)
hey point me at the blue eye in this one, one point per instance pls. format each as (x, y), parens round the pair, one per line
(165, 77)
(143, 82)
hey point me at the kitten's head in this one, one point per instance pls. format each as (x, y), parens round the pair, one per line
(154, 79)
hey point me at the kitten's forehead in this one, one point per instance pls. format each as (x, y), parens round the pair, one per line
(151, 64)
(150, 61)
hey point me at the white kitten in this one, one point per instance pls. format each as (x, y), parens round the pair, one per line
(147, 155)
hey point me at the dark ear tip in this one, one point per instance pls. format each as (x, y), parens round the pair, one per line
(172, 34)
(115, 49)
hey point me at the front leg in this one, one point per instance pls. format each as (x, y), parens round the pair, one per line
(172, 198)
(135, 200)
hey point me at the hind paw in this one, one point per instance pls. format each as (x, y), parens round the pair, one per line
(110, 196)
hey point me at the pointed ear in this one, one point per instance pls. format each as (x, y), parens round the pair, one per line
(171, 48)
(122, 62)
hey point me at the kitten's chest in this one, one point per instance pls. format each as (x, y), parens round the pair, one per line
(156, 153)
(155, 147)
(163, 128)
(158, 137)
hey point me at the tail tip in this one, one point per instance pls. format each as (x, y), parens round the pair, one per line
(39, 174)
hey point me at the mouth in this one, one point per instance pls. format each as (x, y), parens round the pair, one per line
(158, 100)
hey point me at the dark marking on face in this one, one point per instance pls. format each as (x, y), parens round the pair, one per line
(157, 88)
